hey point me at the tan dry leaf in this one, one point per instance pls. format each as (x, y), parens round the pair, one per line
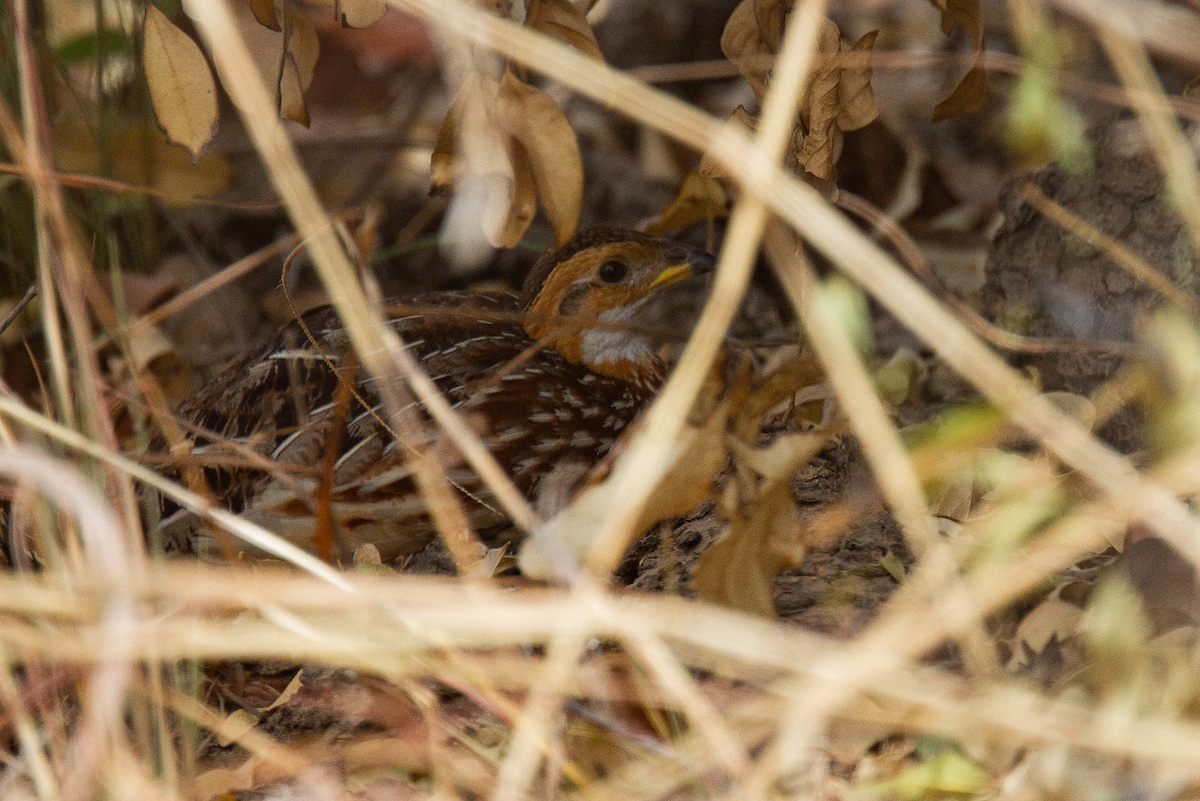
(182, 89)
(971, 91)
(235, 726)
(361, 13)
(699, 199)
(445, 167)
(304, 46)
(1052, 618)
(856, 98)
(738, 569)
(291, 93)
(264, 12)
(536, 122)
(742, 43)
(839, 99)
(225, 782)
(511, 201)
(769, 14)
(562, 20)
(173, 172)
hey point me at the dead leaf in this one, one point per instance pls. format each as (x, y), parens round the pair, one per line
(445, 166)
(510, 201)
(264, 12)
(182, 89)
(738, 569)
(235, 726)
(291, 93)
(562, 20)
(839, 99)
(536, 122)
(1051, 618)
(769, 14)
(304, 46)
(856, 98)
(171, 170)
(742, 43)
(699, 199)
(224, 782)
(971, 91)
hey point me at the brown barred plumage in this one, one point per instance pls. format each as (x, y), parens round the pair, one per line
(560, 406)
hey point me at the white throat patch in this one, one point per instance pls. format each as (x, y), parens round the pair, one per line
(610, 345)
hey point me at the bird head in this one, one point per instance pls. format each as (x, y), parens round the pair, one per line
(593, 299)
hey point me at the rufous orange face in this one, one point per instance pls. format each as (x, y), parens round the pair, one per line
(590, 300)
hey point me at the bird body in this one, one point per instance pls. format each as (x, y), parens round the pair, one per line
(548, 379)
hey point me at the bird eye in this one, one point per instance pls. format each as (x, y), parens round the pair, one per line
(612, 271)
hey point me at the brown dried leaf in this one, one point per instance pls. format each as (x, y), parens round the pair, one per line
(291, 93)
(304, 46)
(769, 15)
(511, 201)
(175, 172)
(971, 91)
(699, 198)
(361, 13)
(856, 99)
(444, 165)
(182, 89)
(739, 568)
(742, 43)
(562, 20)
(839, 99)
(536, 122)
(822, 142)
(264, 12)
(1051, 619)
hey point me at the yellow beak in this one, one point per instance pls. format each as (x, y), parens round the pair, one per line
(673, 275)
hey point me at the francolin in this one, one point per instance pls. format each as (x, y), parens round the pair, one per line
(549, 378)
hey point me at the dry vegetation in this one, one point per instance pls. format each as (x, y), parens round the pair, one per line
(937, 539)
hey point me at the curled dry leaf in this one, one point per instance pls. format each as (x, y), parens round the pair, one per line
(839, 99)
(742, 43)
(969, 94)
(511, 144)
(769, 14)
(763, 535)
(291, 93)
(444, 165)
(287, 60)
(540, 127)
(181, 84)
(699, 199)
(510, 200)
(562, 20)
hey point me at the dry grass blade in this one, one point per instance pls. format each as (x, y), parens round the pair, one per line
(894, 472)
(251, 533)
